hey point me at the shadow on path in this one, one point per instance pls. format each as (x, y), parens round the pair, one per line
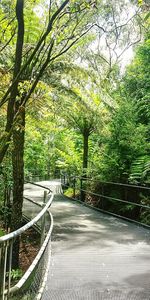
(96, 256)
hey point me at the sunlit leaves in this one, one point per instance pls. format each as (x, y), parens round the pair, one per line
(137, 81)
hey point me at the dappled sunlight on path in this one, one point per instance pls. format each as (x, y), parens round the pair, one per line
(96, 256)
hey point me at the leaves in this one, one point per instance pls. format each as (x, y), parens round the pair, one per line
(140, 170)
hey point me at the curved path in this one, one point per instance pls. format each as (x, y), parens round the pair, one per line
(96, 256)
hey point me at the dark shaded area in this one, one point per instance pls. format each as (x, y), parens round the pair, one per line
(126, 193)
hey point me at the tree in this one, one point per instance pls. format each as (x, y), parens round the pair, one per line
(126, 140)
(47, 49)
(61, 27)
(137, 81)
(118, 27)
(81, 106)
(136, 89)
(64, 27)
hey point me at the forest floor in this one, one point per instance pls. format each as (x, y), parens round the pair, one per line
(29, 246)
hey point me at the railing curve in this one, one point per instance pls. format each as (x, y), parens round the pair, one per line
(31, 284)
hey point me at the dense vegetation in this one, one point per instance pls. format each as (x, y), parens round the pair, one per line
(66, 105)
(118, 132)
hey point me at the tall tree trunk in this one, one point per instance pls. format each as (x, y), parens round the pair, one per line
(18, 180)
(18, 134)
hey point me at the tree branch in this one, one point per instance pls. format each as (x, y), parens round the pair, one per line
(17, 66)
(7, 43)
(49, 28)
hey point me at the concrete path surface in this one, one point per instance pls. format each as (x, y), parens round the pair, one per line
(96, 256)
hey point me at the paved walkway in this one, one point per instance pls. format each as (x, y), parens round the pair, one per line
(96, 256)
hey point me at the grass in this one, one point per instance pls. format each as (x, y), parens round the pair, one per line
(1, 232)
(69, 192)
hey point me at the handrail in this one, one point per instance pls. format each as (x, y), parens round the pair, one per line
(21, 282)
(7, 241)
(107, 182)
(79, 183)
(40, 185)
(116, 199)
(19, 231)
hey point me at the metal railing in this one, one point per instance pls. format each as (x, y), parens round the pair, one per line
(33, 176)
(131, 203)
(31, 284)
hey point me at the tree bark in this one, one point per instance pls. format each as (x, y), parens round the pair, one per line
(18, 180)
(18, 135)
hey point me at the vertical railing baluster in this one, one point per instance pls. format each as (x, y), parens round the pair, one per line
(81, 185)
(3, 269)
(82, 192)
(10, 265)
(43, 219)
(74, 187)
(64, 179)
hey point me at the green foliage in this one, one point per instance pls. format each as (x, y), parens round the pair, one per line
(69, 192)
(125, 141)
(16, 274)
(50, 146)
(137, 89)
(5, 213)
(1, 232)
(53, 143)
(145, 213)
(5, 184)
(128, 207)
(140, 170)
(137, 81)
(69, 152)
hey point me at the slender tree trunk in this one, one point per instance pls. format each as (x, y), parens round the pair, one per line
(18, 134)
(18, 181)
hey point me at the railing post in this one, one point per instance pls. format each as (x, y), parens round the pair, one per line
(74, 187)
(43, 219)
(82, 193)
(64, 178)
(3, 262)
(10, 265)
(81, 187)
(1, 270)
